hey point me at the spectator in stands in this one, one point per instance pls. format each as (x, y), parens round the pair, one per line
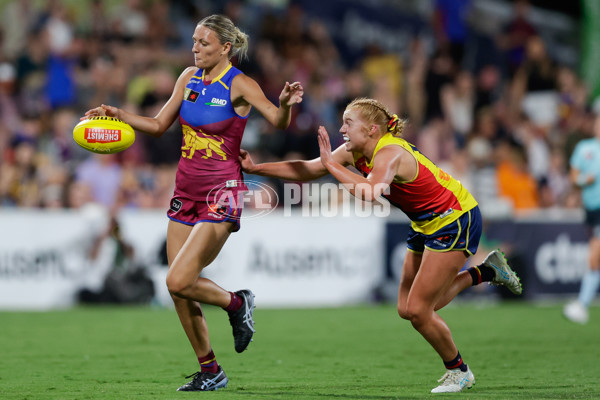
(572, 97)
(458, 105)
(514, 180)
(128, 62)
(515, 35)
(450, 24)
(18, 178)
(440, 72)
(102, 174)
(534, 87)
(488, 88)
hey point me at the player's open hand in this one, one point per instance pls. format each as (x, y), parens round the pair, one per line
(324, 146)
(246, 161)
(291, 94)
(102, 111)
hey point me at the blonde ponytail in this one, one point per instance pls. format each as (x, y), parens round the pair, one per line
(240, 44)
(226, 31)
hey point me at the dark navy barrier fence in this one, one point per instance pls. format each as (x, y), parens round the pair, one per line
(550, 257)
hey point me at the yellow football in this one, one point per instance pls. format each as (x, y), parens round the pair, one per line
(104, 135)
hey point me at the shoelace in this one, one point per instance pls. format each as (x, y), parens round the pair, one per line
(194, 375)
(205, 382)
(450, 378)
(248, 318)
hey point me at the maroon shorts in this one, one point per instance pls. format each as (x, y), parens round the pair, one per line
(192, 212)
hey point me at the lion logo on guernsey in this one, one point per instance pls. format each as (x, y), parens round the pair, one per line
(102, 135)
(208, 146)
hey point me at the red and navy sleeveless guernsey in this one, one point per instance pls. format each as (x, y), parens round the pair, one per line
(432, 199)
(212, 135)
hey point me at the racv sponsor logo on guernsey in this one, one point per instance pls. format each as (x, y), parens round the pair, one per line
(102, 135)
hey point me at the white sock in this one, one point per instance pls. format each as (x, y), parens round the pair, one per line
(589, 287)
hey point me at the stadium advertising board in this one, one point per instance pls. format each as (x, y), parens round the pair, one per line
(551, 257)
(42, 258)
(286, 260)
(303, 261)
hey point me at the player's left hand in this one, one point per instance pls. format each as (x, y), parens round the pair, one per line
(324, 146)
(102, 111)
(291, 94)
(246, 161)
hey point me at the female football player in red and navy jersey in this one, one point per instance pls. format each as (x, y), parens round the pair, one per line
(445, 220)
(212, 101)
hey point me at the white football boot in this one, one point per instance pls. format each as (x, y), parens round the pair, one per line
(576, 312)
(504, 275)
(454, 380)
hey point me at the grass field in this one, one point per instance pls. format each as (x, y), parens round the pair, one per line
(517, 351)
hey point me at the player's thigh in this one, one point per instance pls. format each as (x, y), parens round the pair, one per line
(177, 234)
(436, 274)
(201, 247)
(412, 261)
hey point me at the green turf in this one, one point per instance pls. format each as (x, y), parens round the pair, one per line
(517, 351)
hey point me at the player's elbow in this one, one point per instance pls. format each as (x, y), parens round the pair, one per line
(159, 128)
(154, 127)
(283, 125)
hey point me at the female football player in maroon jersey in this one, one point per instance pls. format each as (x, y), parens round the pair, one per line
(445, 220)
(212, 101)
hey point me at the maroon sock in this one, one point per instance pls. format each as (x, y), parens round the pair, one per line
(208, 363)
(235, 303)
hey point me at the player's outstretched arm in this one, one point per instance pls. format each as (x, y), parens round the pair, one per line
(295, 170)
(153, 126)
(252, 93)
(385, 167)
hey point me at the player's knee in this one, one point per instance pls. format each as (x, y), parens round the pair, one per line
(178, 300)
(417, 316)
(402, 311)
(177, 285)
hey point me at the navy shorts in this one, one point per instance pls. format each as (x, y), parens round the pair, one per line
(462, 234)
(192, 212)
(592, 220)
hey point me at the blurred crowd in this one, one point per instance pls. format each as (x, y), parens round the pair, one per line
(504, 126)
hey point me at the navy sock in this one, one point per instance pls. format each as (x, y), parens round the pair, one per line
(457, 362)
(481, 273)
